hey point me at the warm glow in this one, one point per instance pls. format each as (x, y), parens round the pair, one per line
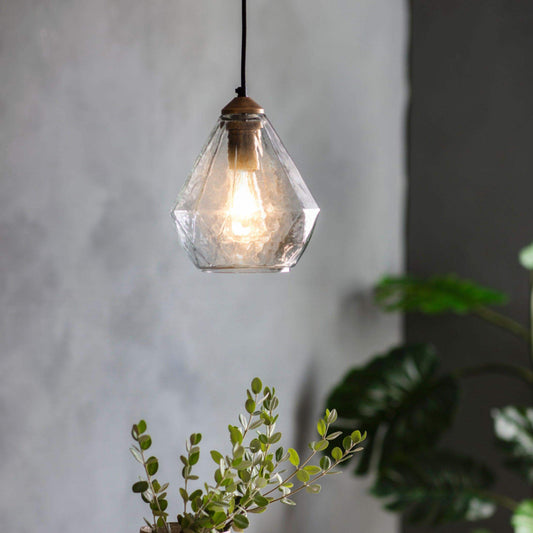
(246, 216)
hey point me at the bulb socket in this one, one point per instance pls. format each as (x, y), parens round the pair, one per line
(244, 133)
(242, 105)
(244, 144)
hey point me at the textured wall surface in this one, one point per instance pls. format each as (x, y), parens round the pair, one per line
(470, 198)
(104, 106)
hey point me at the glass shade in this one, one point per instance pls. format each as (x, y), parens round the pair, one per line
(244, 206)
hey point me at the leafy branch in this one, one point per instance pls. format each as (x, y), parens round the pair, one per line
(403, 398)
(446, 294)
(246, 479)
(151, 491)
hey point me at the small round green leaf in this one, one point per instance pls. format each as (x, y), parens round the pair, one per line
(275, 438)
(312, 470)
(279, 454)
(321, 427)
(193, 458)
(241, 521)
(257, 386)
(303, 476)
(145, 441)
(196, 494)
(195, 438)
(325, 463)
(261, 482)
(331, 416)
(152, 465)
(216, 456)
(321, 445)
(140, 486)
(250, 406)
(336, 453)
(235, 434)
(294, 458)
(356, 436)
(260, 500)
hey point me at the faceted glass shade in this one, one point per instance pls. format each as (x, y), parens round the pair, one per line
(244, 206)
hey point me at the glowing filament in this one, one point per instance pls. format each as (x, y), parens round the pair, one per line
(245, 211)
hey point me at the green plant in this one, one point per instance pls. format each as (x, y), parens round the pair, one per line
(407, 405)
(251, 477)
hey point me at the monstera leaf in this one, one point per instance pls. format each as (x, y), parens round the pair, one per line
(400, 394)
(438, 294)
(523, 517)
(435, 488)
(514, 430)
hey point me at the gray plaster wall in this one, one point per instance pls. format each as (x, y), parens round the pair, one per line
(104, 106)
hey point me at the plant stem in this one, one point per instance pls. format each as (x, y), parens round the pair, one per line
(318, 476)
(500, 499)
(154, 494)
(292, 475)
(495, 368)
(210, 497)
(531, 315)
(504, 322)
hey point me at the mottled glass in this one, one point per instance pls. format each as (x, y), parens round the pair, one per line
(244, 206)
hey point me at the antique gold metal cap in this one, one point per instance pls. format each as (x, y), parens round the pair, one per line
(242, 105)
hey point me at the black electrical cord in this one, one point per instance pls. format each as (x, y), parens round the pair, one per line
(241, 91)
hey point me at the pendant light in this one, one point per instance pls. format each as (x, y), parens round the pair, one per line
(244, 206)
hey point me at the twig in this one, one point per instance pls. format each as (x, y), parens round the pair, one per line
(503, 321)
(495, 368)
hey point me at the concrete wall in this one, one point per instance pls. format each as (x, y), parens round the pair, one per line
(104, 106)
(470, 198)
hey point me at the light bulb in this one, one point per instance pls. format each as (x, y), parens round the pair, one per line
(244, 207)
(246, 215)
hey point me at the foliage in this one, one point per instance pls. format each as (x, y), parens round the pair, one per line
(437, 294)
(436, 487)
(255, 474)
(523, 517)
(513, 427)
(149, 488)
(525, 257)
(400, 394)
(407, 405)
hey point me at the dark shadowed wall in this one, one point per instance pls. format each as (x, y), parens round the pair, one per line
(471, 187)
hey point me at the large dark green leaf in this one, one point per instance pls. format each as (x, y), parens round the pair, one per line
(436, 487)
(523, 517)
(400, 393)
(514, 430)
(438, 294)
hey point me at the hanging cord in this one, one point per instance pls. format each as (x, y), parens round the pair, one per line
(241, 91)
